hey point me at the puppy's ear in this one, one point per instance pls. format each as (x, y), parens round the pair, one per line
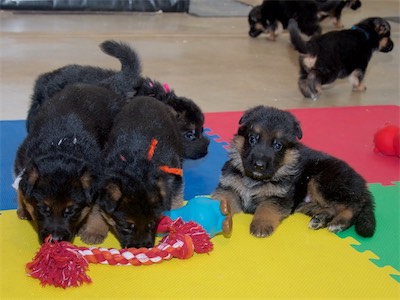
(110, 197)
(297, 129)
(381, 26)
(251, 113)
(29, 180)
(86, 180)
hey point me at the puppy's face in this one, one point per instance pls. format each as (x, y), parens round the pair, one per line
(255, 22)
(189, 116)
(57, 201)
(265, 141)
(382, 28)
(190, 122)
(134, 209)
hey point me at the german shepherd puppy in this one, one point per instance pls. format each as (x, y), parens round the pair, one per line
(128, 82)
(59, 161)
(271, 175)
(272, 16)
(339, 54)
(143, 171)
(333, 9)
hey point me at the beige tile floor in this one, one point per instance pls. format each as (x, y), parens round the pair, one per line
(211, 60)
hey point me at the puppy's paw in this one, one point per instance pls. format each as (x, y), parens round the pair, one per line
(336, 228)
(317, 222)
(359, 88)
(261, 229)
(338, 225)
(92, 237)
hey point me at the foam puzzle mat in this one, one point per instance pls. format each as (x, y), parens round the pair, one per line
(295, 262)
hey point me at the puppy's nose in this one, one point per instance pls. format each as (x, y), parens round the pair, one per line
(259, 165)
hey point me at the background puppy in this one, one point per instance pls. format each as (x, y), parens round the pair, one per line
(188, 114)
(59, 161)
(272, 16)
(333, 9)
(339, 54)
(128, 82)
(143, 171)
(271, 175)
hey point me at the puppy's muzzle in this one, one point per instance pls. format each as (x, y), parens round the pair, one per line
(57, 234)
(388, 47)
(254, 32)
(259, 168)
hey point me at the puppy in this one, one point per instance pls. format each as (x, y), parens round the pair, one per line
(339, 54)
(333, 9)
(272, 16)
(188, 114)
(271, 175)
(128, 82)
(59, 161)
(143, 171)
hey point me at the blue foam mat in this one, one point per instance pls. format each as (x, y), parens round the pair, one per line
(200, 176)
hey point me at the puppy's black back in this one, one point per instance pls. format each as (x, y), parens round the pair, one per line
(142, 120)
(78, 110)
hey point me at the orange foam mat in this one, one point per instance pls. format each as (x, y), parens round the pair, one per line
(295, 262)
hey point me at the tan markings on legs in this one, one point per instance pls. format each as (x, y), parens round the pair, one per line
(267, 218)
(357, 84)
(95, 229)
(308, 61)
(342, 220)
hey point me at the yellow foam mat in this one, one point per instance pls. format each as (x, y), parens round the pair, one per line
(295, 262)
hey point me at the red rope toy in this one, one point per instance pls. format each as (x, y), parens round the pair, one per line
(64, 265)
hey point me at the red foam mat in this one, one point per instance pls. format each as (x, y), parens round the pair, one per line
(344, 132)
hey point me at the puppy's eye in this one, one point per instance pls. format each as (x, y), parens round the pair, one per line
(253, 139)
(69, 211)
(277, 146)
(44, 210)
(190, 135)
(128, 229)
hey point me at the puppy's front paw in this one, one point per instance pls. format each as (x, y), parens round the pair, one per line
(317, 222)
(260, 228)
(92, 236)
(359, 88)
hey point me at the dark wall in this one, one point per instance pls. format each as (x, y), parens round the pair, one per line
(98, 5)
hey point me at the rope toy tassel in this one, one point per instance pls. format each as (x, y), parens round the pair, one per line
(64, 265)
(59, 264)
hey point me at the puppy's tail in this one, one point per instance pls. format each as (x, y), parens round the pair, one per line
(365, 222)
(131, 68)
(295, 37)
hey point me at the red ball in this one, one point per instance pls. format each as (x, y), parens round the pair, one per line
(396, 144)
(384, 140)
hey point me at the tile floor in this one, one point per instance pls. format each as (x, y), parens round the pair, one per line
(211, 60)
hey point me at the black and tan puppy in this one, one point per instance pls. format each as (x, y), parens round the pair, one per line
(188, 114)
(60, 160)
(143, 171)
(271, 175)
(272, 16)
(128, 82)
(339, 54)
(333, 9)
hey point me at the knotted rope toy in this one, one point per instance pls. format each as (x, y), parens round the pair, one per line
(64, 265)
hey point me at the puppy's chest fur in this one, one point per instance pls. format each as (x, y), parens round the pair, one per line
(252, 192)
